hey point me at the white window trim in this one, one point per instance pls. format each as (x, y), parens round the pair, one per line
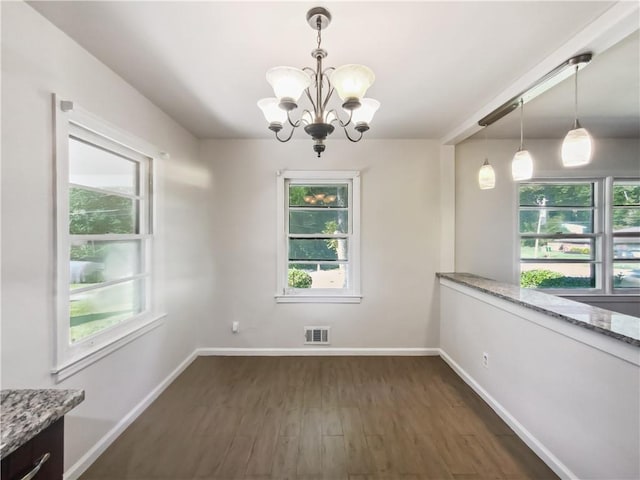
(603, 232)
(69, 359)
(287, 295)
(609, 238)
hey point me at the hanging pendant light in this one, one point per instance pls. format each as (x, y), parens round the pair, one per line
(486, 174)
(577, 145)
(522, 163)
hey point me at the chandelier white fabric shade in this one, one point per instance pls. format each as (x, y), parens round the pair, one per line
(352, 81)
(486, 176)
(364, 114)
(576, 148)
(522, 166)
(271, 109)
(288, 82)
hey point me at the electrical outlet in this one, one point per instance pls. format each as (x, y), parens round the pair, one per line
(485, 359)
(235, 326)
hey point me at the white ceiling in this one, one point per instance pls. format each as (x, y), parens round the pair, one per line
(436, 63)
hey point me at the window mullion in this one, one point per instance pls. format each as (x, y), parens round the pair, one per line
(97, 286)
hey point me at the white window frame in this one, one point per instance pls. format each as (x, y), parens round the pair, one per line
(610, 235)
(352, 294)
(71, 120)
(602, 235)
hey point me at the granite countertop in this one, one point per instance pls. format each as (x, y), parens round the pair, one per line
(617, 325)
(25, 413)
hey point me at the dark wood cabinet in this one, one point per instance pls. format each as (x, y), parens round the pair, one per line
(25, 459)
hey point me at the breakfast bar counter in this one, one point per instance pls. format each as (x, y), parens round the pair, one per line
(612, 324)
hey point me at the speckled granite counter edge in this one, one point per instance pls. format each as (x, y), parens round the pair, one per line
(485, 285)
(26, 413)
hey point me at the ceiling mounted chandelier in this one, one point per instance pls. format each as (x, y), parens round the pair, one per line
(350, 82)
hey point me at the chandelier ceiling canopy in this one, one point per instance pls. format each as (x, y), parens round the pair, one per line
(350, 83)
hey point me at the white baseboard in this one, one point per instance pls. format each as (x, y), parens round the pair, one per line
(316, 351)
(532, 442)
(94, 452)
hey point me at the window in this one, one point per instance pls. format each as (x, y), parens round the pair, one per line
(579, 236)
(105, 237)
(319, 241)
(625, 234)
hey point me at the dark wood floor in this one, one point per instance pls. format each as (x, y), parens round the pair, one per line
(333, 418)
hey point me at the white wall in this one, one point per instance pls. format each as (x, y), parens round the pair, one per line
(486, 219)
(400, 244)
(579, 403)
(37, 60)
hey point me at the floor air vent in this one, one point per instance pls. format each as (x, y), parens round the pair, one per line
(316, 335)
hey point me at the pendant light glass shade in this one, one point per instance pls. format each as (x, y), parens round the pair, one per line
(576, 148)
(288, 82)
(352, 81)
(366, 111)
(271, 110)
(486, 176)
(522, 166)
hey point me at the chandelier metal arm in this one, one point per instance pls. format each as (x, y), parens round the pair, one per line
(296, 124)
(313, 104)
(354, 140)
(283, 140)
(347, 123)
(329, 91)
(309, 69)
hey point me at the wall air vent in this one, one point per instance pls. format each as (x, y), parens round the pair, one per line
(316, 335)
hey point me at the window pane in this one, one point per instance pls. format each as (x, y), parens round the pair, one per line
(95, 262)
(102, 308)
(318, 221)
(557, 275)
(330, 195)
(626, 275)
(566, 249)
(627, 193)
(626, 219)
(97, 213)
(555, 195)
(317, 249)
(318, 276)
(544, 220)
(95, 167)
(626, 248)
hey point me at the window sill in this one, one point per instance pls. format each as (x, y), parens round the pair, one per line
(76, 364)
(318, 298)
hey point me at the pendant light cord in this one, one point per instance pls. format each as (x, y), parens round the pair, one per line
(521, 124)
(486, 146)
(575, 100)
